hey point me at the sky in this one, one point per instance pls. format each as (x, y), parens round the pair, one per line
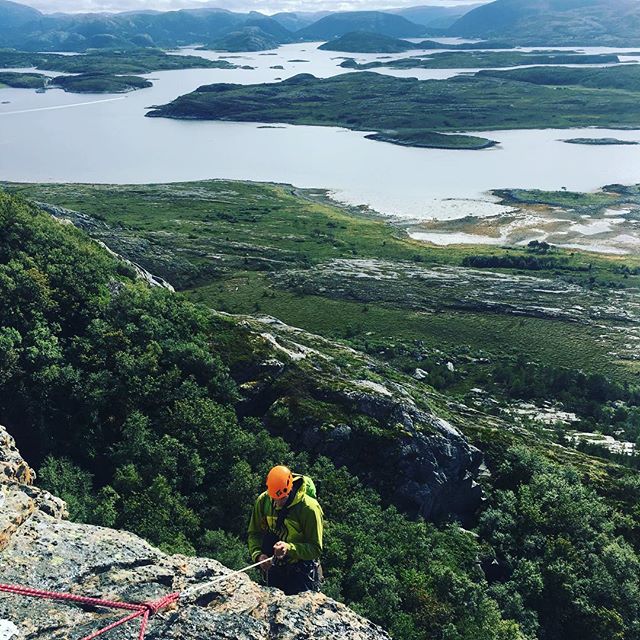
(264, 6)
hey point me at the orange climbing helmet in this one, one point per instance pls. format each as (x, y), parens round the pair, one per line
(279, 482)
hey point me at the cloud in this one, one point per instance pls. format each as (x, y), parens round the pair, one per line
(264, 6)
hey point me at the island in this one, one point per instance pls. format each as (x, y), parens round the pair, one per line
(369, 42)
(100, 83)
(112, 62)
(19, 80)
(600, 141)
(247, 39)
(412, 109)
(432, 139)
(486, 59)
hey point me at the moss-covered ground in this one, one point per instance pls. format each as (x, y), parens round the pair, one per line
(269, 249)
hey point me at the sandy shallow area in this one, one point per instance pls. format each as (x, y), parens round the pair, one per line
(612, 231)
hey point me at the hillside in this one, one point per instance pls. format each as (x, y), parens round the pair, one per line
(367, 42)
(299, 19)
(338, 24)
(79, 32)
(554, 22)
(434, 17)
(14, 15)
(150, 398)
(247, 39)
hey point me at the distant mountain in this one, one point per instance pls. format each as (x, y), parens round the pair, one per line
(554, 22)
(339, 24)
(365, 42)
(298, 20)
(33, 31)
(247, 39)
(434, 17)
(14, 15)
(270, 26)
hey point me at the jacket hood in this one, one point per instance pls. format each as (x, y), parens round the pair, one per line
(301, 482)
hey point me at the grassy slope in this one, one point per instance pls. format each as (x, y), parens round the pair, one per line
(226, 242)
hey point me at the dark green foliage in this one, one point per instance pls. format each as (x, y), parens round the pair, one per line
(625, 77)
(121, 396)
(22, 80)
(567, 573)
(100, 83)
(109, 62)
(118, 393)
(482, 59)
(71, 483)
(432, 139)
(578, 391)
(532, 263)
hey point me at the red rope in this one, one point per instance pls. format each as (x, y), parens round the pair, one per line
(141, 610)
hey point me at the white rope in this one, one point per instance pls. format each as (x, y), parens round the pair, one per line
(204, 585)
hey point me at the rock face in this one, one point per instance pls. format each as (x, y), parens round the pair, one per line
(432, 465)
(97, 230)
(39, 548)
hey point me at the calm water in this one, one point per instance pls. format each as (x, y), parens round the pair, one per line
(60, 137)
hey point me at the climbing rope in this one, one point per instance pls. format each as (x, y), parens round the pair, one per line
(142, 610)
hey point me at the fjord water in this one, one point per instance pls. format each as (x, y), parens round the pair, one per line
(61, 137)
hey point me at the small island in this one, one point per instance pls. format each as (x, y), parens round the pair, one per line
(485, 59)
(100, 83)
(600, 141)
(109, 62)
(369, 42)
(18, 80)
(432, 140)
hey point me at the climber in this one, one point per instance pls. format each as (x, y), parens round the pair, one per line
(286, 523)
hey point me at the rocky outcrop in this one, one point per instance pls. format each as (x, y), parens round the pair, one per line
(39, 548)
(417, 460)
(433, 466)
(100, 231)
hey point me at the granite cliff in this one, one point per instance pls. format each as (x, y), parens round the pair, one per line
(40, 548)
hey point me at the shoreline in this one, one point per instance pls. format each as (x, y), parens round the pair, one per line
(502, 230)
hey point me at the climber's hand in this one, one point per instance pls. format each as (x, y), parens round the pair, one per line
(264, 567)
(280, 549)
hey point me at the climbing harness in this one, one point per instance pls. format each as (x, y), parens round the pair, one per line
(142, 610)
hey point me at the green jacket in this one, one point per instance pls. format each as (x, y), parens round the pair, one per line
(302, 528)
